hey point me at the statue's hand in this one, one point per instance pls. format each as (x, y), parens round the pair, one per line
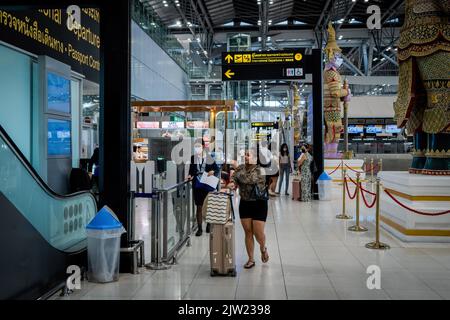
(348, 97)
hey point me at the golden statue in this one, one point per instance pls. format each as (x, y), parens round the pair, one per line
(423, 102)
(335, 92)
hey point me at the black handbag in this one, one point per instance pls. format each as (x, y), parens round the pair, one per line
(257, 194)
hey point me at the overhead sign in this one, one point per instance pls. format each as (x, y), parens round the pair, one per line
(263, 65)
(262, 124)
(46, 32)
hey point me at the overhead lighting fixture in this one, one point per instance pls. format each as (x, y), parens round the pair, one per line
(388, 48)
(271, 2)
(259, 22)
(340, 37)
(270, 22)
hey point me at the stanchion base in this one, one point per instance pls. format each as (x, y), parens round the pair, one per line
(357, 228)
(343, 216)
(377, 245)
(157, 266)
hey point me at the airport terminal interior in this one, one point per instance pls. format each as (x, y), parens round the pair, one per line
(225, 150)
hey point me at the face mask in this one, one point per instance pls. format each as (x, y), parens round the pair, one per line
(284, 149)
(198, 150)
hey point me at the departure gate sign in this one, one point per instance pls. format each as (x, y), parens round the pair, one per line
(263, 65)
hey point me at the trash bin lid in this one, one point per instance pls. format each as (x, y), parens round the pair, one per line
(324, 176)
(105, 219)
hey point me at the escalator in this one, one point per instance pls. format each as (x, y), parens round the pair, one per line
(41, 232)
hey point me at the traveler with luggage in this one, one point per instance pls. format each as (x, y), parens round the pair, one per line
(304, 165)
(253, 205)
(201, 162)
(285, 167)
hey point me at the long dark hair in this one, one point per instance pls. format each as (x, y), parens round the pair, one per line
(282, 151)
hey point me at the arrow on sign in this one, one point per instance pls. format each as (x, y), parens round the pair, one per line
(228, 74)
(229, 58)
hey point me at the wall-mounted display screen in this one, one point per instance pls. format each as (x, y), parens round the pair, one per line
(172, 125)
(147, 125)
(58, 137)
(374, 129)
(392, 128)
(355, 129)
(58, 93)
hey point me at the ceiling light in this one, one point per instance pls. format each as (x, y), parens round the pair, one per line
(340, 37)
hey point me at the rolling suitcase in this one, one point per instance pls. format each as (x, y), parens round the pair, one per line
(221, 237)
(222, 254)
(296, 189)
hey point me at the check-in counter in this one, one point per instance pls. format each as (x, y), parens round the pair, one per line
(367, 147)
(387, 147)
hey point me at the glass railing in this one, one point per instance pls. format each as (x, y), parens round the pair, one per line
(150, 23)
(176, 211)
(61, 220)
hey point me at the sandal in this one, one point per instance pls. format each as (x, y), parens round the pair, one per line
(249, 264)
(264, 255)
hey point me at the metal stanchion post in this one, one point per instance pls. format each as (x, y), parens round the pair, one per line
(377, 244)
(156, 261)
(380, 165)
(357, 227)
(371, 170)
(343, 215)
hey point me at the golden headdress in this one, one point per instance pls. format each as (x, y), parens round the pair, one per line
(332, 46)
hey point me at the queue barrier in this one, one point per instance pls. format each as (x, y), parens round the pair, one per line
(169, 234)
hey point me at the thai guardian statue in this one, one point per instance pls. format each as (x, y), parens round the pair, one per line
(335, 92)
(423, 102)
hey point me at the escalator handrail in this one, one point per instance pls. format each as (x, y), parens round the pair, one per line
(19, 155)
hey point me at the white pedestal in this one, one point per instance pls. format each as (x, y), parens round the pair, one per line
(355, 164)
(419, 192)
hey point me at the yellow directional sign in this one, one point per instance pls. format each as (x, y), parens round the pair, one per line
(229, 58)
(229, 74)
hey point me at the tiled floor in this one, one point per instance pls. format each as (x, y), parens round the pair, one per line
(312, 256)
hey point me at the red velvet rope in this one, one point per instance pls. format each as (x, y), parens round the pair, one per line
(348, 191)
(364, 198)
(330, 173)
(353, 181)
(413, 210)
(367, 191)
(367, 171)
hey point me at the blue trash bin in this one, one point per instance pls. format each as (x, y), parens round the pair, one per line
(325, 186)
(103, 234)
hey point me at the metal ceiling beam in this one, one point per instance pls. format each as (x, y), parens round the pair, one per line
(391, 11)
(205, 14)
(325, 7)
(351, 66)
(349, 10)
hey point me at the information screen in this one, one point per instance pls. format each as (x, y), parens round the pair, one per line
(58, 137)
(374, 129)
(392, 128)
(355, 129)
(58, 93)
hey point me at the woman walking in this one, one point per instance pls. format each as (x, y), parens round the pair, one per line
(252, 206)
(285, 167)
(304, 165)
(201, 162)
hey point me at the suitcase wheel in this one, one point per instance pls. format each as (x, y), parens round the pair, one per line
(213, 273)
(233, 273)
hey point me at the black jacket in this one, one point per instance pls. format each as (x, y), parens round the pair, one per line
(211, 165)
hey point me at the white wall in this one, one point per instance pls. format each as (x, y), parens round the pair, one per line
(371, 107)
(154, 74)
